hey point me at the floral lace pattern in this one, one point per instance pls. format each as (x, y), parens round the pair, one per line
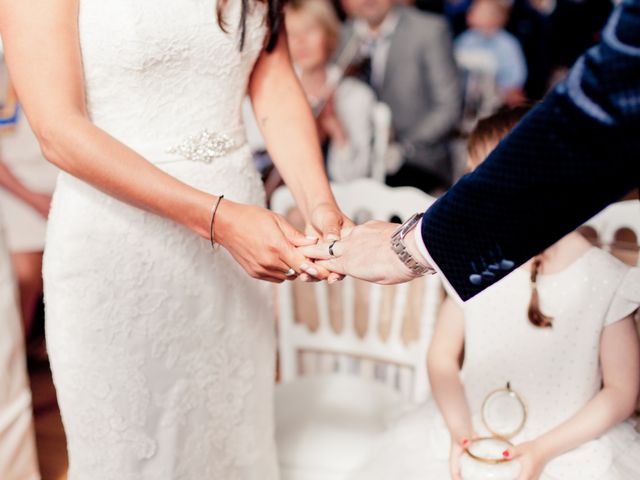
(162, 350)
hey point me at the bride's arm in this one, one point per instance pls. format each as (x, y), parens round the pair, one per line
(289, 130)
(42, 51)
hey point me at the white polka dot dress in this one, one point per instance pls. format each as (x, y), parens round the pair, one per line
(556, 370)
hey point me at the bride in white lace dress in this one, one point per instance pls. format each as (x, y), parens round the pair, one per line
(162, 348)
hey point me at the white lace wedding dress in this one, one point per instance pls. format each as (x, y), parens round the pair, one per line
(162, 350)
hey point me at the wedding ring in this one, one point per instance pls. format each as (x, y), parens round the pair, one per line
(331, 252)
(290, 273)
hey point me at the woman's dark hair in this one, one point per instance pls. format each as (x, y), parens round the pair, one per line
(274, 20)
(489, 132)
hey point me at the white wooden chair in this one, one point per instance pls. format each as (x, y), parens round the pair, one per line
(343, 381)
(381, 122)
(612, 220)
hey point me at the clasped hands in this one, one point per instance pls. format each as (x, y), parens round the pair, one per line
(271, 249)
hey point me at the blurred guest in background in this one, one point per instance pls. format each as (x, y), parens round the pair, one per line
(407, 58)
(456, 13)
(551, 33)
(531, 22)
(575, 27)
(486, 33)
(339, 9)
(343, 105)
(29, 181)
(18, 459)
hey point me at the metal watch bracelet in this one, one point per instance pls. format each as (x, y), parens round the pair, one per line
(399, 247)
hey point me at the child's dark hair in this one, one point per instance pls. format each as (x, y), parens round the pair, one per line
(488, 133)
(492, 129)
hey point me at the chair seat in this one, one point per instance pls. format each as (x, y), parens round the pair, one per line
(328, 425)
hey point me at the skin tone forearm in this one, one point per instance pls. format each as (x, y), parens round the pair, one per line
(444, 371)
(606, 409)
(281, 106)
(448, 392)
(444, 374)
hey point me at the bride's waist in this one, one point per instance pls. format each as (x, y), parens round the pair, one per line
(204, 146)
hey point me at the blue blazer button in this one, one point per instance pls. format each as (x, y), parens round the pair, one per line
(490, 276)
(476, 279)
(506, 264)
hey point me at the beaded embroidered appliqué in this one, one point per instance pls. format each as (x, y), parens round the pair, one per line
(204, 146)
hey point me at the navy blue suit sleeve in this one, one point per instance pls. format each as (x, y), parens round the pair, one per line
(571, 156)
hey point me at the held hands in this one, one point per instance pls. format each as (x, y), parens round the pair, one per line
(273, 250)
(328, 223)
(364, 252)
(267, 250)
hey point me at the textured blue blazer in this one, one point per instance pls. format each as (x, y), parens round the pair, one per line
(571, 156)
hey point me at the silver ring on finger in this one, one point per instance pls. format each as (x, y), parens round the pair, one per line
(331, 252)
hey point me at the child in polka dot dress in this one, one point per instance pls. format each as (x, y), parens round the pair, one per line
(560, 330)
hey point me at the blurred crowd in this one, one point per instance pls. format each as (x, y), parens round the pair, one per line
(396, 86)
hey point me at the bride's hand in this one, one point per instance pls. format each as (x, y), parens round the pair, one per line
(263, 243)
(326, 221)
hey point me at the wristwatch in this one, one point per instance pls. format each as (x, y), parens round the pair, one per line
(398, 246)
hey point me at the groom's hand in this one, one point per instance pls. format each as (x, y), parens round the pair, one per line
(365, 253)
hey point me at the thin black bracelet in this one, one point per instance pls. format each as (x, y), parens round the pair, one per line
(213, 217)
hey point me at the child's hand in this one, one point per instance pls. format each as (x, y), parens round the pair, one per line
(457, 449)
(531, 457)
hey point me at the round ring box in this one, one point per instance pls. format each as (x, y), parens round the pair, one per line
(504, 413)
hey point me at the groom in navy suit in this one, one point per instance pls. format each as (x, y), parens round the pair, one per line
(571, 156)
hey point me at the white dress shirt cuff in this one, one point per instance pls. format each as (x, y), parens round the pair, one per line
(422, 248)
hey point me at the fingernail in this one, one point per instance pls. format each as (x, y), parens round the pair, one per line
(312, 271)
(332, 237)
(304, 266)
(311, 237)
(332, 280)
(506, 454)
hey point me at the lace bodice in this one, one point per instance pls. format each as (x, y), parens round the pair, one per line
(165, 66)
